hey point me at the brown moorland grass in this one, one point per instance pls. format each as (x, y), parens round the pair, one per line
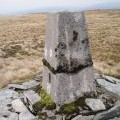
(22, 41)
(104, 34)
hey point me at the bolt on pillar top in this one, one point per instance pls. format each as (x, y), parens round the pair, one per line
(68, 72)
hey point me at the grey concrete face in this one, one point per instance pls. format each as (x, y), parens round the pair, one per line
(66, 88)
(66, 44)
(68, 72)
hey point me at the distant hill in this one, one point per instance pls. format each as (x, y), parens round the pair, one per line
(108, 5)
(79, 7)
(102, 6)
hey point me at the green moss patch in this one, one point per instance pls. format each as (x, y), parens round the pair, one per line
(72, 107)
(46, 101)
(68, 108)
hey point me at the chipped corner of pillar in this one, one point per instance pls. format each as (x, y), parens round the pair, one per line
(68, 67)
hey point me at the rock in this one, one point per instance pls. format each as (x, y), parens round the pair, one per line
(26, 115)
(18, 106)
(80, 117)
(117, 102)
(12, 116)
(112, 79)
(49, 113)
(38, 77)
(59, 117)
(108, 100)
(109, 114)
(97, 75)
(26, 85)
(6, 97)
(4, 109)
(112, 89)
(8, 94)
(95, 104)
(30, 98)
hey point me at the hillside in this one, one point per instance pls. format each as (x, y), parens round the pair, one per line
(22, 41)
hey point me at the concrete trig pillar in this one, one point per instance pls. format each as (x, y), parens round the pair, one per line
(68, 72)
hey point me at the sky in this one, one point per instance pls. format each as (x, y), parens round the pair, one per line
(15, 6)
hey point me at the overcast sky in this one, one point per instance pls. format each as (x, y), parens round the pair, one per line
(14, 6)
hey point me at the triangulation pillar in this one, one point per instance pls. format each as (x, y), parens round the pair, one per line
(68, 72)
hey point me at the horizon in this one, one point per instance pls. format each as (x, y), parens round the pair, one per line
(34, 6)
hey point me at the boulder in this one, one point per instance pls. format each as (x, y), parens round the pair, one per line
(95, 104)
(30, 98)
(109, 114)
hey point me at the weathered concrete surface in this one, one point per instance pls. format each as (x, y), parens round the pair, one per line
(66, 88)
(68, 72)
(66, 44)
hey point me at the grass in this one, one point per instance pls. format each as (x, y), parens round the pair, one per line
(45, 101)
(21, 47)
(22, 41)
(104, 34)
(69, 108)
